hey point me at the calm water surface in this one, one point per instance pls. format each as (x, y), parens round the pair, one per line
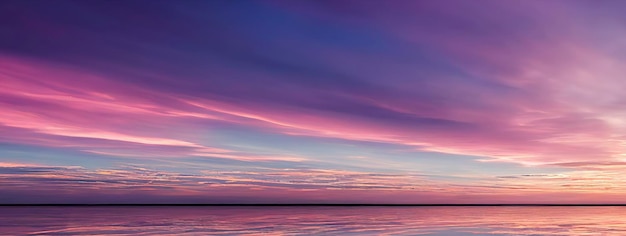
(313, 220)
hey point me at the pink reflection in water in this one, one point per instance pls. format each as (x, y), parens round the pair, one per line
(313, 220)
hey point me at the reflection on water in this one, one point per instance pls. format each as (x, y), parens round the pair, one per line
(313, 220)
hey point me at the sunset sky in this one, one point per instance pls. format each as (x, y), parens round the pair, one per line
(326, 101)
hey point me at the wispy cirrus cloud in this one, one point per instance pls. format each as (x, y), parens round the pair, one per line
(528, 83)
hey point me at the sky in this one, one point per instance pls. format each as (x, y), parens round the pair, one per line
(326, 101)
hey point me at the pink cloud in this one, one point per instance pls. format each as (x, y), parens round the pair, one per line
(65, 102)
(545, 95)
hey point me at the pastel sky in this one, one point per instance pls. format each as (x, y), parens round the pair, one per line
(326, 101)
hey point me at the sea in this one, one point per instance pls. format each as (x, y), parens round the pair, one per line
(313, 220)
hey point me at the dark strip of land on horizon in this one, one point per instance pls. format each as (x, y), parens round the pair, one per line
(306, 205)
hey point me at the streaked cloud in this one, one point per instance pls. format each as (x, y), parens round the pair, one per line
(365, 89)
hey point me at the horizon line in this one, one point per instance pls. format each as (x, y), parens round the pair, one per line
(292, 204)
